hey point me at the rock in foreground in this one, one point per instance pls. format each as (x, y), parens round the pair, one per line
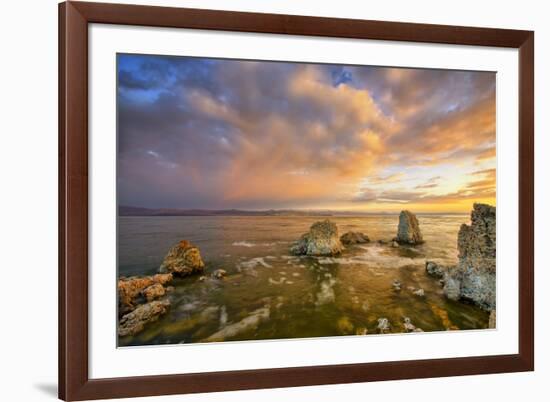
(134, 322)
(183, 259)
(408, 230)
(321, 240)
(350, 238)
(135, 290)
(474, 278)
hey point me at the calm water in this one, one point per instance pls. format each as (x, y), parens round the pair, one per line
(269, 294)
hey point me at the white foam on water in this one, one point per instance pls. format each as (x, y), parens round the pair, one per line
(274, 282)
(243, 244)
(223, 317)
(254, 262)
(375, 257)
(326, 294)
(250, 322)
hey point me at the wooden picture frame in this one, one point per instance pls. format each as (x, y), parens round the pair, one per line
(74, 381)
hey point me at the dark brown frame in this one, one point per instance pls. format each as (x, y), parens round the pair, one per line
(74, 17)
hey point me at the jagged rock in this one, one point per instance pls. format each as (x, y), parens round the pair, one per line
(474, 278)
(418, 292)
(154, 292)
(434, 269)
(183, 259)
(135, 321)
(350, 238)
(493, 319)
(408, 230)
(321, 240)
(219, 273)
(383, 325)
(130, 290)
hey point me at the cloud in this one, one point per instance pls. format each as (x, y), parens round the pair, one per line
(433, 182)
(207, 133)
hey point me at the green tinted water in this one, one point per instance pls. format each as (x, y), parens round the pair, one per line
(269, 294)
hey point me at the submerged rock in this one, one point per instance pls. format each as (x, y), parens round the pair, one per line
(133, 291)
(408, 230)
(246, 324)
(474, 278)
(183, 259)
(321, 240)
(434, 269)
(135, 321)
(219, 273)
(350, 238)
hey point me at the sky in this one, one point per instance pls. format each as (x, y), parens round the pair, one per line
(221, 134)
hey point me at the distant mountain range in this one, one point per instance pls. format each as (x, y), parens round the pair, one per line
(137, 211)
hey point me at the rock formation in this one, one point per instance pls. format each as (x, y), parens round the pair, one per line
(134, 322)
(474, 278)
(350, 238)
(408, 230)
(219, 273)
(183, 259)
(383, 326)
(435, 270)
(135, 290)
(321, 240)
(409, 326)
(154, 292)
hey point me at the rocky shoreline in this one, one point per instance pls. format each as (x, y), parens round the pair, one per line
(144, 299)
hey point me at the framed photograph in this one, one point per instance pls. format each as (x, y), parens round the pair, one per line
(259, 200)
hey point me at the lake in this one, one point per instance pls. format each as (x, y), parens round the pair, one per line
(269, 294)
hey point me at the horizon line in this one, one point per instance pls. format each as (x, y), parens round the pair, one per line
(162, 211)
